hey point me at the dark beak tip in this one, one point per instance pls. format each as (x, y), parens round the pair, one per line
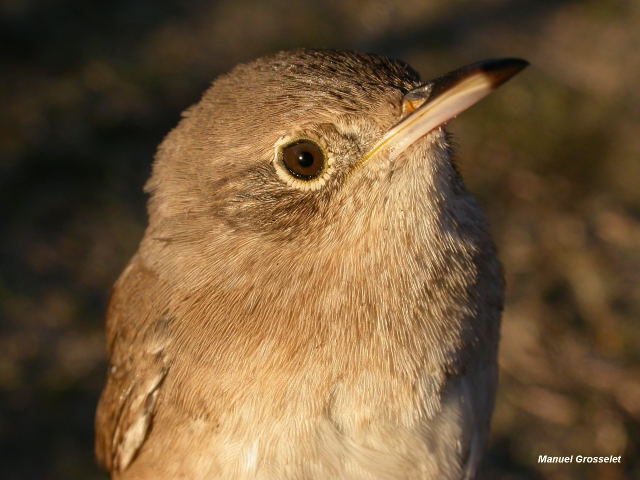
(496, 71)
(500, 70)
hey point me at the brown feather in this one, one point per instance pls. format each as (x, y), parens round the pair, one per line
(269, 332)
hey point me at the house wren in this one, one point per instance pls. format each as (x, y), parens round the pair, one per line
(316, 295)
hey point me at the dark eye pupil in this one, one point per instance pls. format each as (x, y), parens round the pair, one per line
(303, 159)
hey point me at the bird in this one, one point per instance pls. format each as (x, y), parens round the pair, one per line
(316, 295)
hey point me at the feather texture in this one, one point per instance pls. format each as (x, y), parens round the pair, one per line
(268, 332)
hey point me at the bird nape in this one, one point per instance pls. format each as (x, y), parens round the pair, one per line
(316, 294)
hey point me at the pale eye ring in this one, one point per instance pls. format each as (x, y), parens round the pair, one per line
(302, 163)
(303, 159)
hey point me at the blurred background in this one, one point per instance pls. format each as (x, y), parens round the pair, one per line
(88, 90)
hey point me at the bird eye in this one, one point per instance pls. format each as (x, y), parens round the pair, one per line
(303, 159)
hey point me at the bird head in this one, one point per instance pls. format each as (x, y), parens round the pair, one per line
(310, 172)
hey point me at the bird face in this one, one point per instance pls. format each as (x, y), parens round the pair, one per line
(309, 154)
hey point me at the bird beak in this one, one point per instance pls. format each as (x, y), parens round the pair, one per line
(435, 103)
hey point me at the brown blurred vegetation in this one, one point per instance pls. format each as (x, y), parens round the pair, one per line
(88, 89)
